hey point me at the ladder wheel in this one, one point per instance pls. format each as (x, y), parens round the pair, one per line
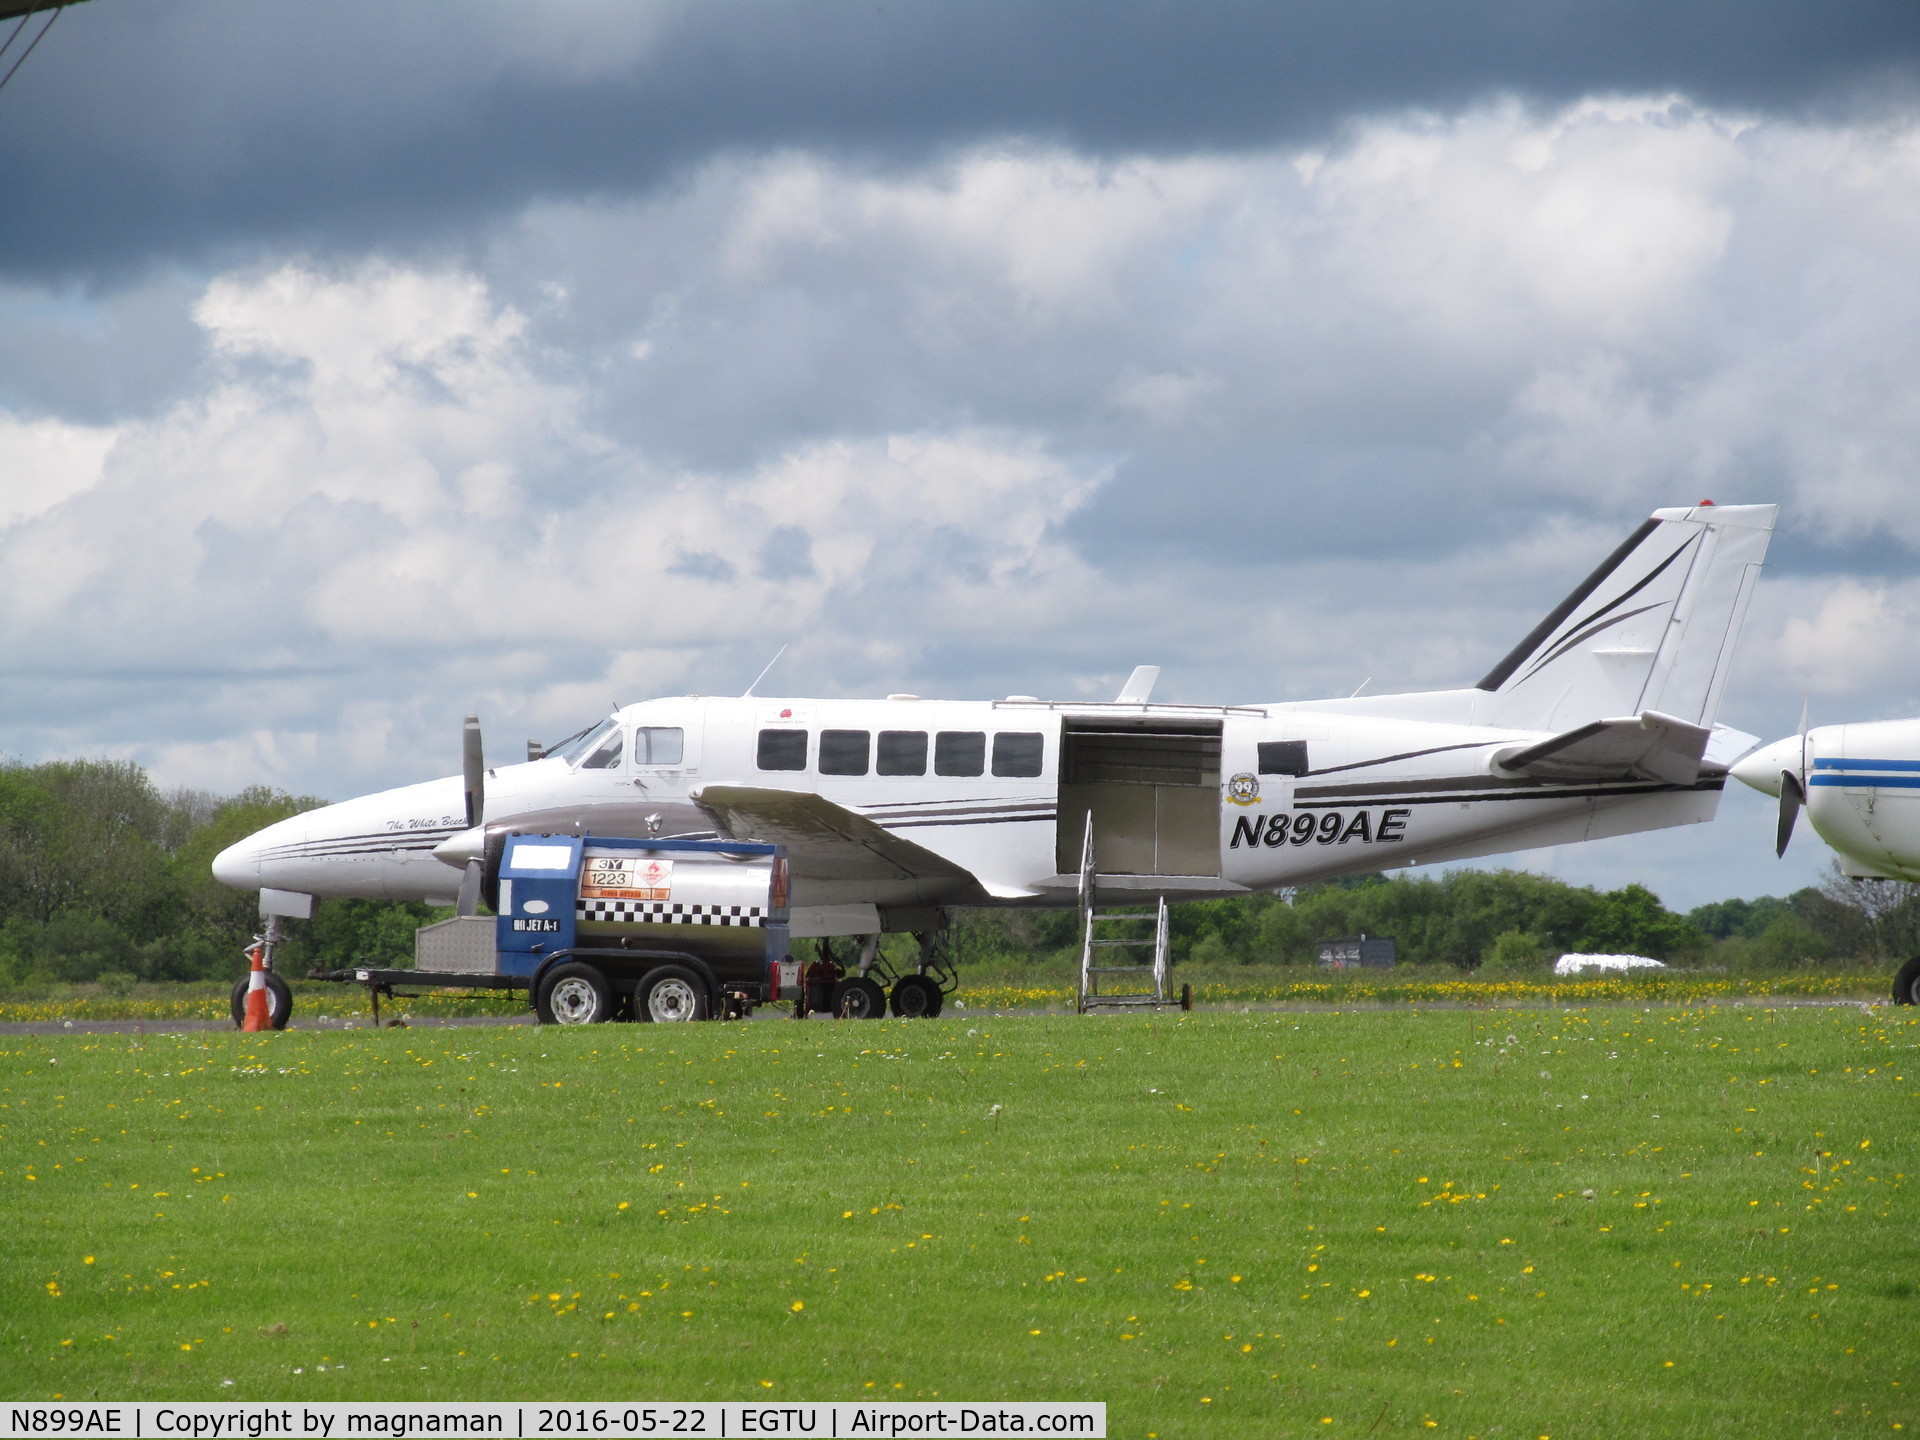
(915, 997)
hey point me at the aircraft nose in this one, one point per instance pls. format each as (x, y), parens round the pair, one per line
(1762, 768)
(239, 865)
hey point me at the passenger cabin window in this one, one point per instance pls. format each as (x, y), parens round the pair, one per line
(607, 756)
(659, 745)
(844, 752)
(783, 750)
(1283, 757)
(1018, 753)
(960, 752)
(902, 752)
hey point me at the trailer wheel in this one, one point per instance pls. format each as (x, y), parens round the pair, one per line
(858, 998)
(574, 994)
(915, 997)
(1906, 984)
(279, 1001)
(672, 993)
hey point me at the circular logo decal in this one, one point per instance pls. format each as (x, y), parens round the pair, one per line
(1244, 789)
(534, 907)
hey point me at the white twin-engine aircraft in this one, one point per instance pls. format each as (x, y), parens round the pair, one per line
(1860, 785)
(1600, 722)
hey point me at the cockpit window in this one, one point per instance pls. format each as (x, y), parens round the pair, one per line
(659, 745)
(583, 743)
(606, 755)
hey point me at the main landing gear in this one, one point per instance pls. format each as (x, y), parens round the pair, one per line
(864, 986)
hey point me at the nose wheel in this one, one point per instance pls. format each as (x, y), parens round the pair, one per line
(279, 1001)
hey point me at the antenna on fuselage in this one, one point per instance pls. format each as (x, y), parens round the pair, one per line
(747, 694)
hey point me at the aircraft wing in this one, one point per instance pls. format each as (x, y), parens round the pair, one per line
(1648, 746)
(824, 841)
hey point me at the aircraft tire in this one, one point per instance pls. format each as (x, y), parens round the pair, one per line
(671, 994)
(858, 998)
(915, 997)
(1906, 984)
(573, 994)
(279, 1002)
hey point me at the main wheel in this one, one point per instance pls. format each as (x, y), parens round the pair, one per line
(858, 998)
(916, 997)
(1906, 984)
(673, 993)
(573, 994)
(279, 1001)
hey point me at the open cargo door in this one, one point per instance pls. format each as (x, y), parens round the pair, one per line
(1153, 788)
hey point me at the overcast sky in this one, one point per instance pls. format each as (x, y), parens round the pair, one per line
(361, 364)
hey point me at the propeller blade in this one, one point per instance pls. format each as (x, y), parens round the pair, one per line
(469, 901)
(1792, 797)
(473, 768)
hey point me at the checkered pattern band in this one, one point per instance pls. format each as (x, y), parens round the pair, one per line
(665, 912)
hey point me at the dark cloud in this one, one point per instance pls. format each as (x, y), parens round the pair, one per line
(204, 128)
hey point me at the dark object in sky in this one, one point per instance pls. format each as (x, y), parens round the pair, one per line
(14, 9)
(204, 124)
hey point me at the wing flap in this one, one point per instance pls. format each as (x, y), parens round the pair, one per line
(1648, 746)
(824, 841)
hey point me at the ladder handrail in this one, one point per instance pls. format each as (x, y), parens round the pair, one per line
(1160, 954)
(1086, 918)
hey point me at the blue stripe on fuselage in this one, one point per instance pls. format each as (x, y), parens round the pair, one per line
(1866, 764)
(1869, 782)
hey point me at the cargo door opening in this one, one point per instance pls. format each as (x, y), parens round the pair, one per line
(1153, 789)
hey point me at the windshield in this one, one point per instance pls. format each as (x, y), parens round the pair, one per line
(581, 744)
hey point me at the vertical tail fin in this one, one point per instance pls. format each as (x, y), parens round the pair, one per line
(1653, 628)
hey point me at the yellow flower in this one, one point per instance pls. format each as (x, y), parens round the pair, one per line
(798, 1305)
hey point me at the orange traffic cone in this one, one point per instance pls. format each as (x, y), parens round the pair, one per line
(259, 1011)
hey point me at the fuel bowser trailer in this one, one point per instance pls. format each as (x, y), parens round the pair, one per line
(597, 928)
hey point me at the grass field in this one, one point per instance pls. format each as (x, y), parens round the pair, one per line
(1045, 989)
(1604, 1221)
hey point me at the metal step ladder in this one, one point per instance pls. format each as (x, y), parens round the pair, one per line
(1111, 943)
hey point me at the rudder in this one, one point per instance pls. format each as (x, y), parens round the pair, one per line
(1653, 628)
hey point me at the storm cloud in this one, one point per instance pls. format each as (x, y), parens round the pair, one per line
(364, 365)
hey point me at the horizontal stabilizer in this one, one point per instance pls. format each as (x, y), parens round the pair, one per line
(824, 841)
(1648, 746)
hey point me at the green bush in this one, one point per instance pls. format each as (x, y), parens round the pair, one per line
(1518, 952)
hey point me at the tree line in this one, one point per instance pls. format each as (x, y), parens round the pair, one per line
(104, 876)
